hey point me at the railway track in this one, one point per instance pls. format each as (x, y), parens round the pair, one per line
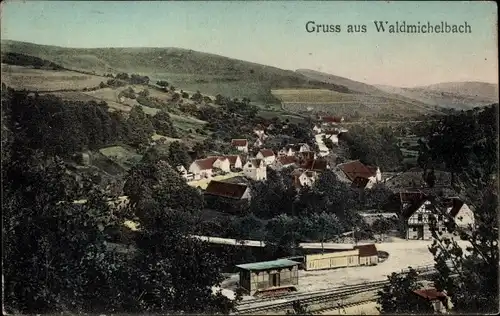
(285, 301)
(340, 307)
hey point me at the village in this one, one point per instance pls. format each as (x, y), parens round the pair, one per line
(226, 178)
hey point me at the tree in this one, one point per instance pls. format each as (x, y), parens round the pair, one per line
(382, 225)
(162, 83)
(140, 128)
(328, 143)
(398, 297)
(283, 235)
(197, 96)
(163, 124)
(144, 93)
(475, 289)
(178, 155)
(322, 227)
(56, 257)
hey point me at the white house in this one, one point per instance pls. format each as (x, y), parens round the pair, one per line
(317, 129)
(417, 216)
(258, 143)
(234, 161)
(240, 144)
(292, 149)
(255, 169)
(259, 131)
(222, 163)
(304, 177)
(202, 168)
(267, 155)
(184, 173)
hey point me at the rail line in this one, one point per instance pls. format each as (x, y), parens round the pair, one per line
(285, 301)
(341, 306)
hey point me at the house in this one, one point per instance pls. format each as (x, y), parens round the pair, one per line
(234, 161)
(184, 173)
(255, 169)
(284, 162)
(222, 163)
(202, 168)
(360, 175)
(417, 214)
(317, 165)
(306, 155)
(281, 274)
(368, 255)
(326, 120)
(302, 178)
(225, 196)
(228, 190)
(292, 149)
(258, 143)
(259, 131)
(332, 135)
(439, 300)
(267, 155)
(240, 144)
(317, 129)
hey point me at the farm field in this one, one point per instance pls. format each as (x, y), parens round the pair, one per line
(186, 123)
(125, 158)
(312, 96)
(19, 77)
(347, 104)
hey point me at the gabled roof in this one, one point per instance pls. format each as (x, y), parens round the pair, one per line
(239, 142)
(205, 164)
(232, 158)
(266, 152)
(359, 182)
(456, 206)
(367, 250)
(430, 294)
(354, 169)
(226, 189)
(256, 162)
(286, 160)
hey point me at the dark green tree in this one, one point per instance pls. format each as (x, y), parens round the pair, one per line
(178, 155)
(163, 124)
(397, 297)
(140, 128)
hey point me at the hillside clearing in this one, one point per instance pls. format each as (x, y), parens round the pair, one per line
(125, 158)
(19, 77)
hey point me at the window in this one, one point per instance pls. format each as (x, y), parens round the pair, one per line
(414, 229)
(419, 217)
(440, 217)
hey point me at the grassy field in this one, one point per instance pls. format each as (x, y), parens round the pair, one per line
(185, 123)
(122, 156)
(19, 77)
(312, 96)
(347, 104)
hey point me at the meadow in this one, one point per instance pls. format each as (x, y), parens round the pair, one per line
(19, 77)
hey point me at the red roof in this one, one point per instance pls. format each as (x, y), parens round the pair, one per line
(287, 160)
(256, 162)
(356, 169)
(331, 119)
(239, 142)
(430, 294)
(206, 164)
(456, 206)
(359, 182)
(267, 152)
(232, 159)
(226, 189)
(367, 250)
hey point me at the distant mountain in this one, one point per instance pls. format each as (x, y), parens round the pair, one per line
(212, 74)
(457, 95)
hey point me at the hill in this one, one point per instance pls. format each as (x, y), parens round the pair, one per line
(456, 95)
(348, 83)
(366, 99)
(211, 74)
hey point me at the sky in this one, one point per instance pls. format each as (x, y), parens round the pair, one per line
(274, 33)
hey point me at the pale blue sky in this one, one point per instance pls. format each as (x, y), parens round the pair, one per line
(273, 33)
